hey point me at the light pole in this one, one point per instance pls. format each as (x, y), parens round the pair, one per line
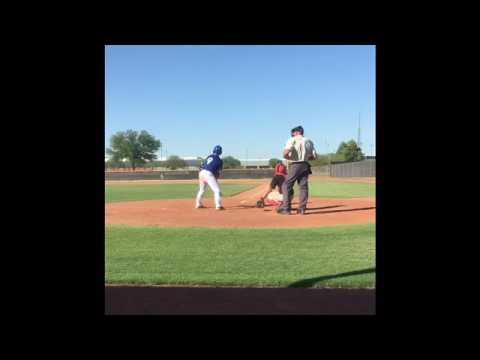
(329, 158)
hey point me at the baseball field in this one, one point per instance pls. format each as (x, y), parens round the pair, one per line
(155, 236)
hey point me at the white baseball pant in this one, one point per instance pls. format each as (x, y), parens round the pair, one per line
(206, 177)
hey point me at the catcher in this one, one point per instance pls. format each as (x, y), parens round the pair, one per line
(277, 181)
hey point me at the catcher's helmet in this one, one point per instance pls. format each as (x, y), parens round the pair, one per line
(298, 128)
(217, 150)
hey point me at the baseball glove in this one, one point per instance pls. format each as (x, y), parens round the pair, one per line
(260, 203)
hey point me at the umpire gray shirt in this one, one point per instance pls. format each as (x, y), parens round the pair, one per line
(301, 149)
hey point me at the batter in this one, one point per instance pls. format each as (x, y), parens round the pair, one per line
(209, 173)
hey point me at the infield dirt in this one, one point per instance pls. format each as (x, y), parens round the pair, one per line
(240, 212)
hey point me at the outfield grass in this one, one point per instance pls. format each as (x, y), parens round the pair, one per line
(135, 192)
(342, 256)
(326, 189)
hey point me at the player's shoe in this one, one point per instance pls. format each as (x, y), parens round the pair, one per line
(200, 207)
(301, 211)
(220, 208)
(283, 211)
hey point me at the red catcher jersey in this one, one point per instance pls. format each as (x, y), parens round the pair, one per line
(280, 169)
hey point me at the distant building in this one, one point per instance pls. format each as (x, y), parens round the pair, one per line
(193, 163)
(254, 163)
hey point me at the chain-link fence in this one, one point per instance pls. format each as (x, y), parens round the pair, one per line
(365, 168)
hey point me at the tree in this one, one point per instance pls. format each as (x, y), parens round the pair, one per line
(274, 162)
(175, 162)
(156, 163)
(229, 162)
(112, 164)
(138, 148)
(350, 151)
(321, 160)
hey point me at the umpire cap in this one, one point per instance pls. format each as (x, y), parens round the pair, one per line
(298, 128)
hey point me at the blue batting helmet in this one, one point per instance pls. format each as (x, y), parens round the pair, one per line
(217, 150)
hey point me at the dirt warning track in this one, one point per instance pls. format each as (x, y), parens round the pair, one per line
(240, 212)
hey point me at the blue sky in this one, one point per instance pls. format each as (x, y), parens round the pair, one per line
(245, 98)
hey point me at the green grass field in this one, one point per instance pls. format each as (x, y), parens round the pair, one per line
(314, 257)
(326, 189)
(135, 192)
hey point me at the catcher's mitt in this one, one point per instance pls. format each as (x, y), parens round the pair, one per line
(260, 203)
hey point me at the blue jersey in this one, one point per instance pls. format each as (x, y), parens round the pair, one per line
(213, 163)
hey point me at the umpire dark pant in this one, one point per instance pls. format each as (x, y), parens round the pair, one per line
(297, 172)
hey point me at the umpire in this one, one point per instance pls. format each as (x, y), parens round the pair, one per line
(298, 151)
